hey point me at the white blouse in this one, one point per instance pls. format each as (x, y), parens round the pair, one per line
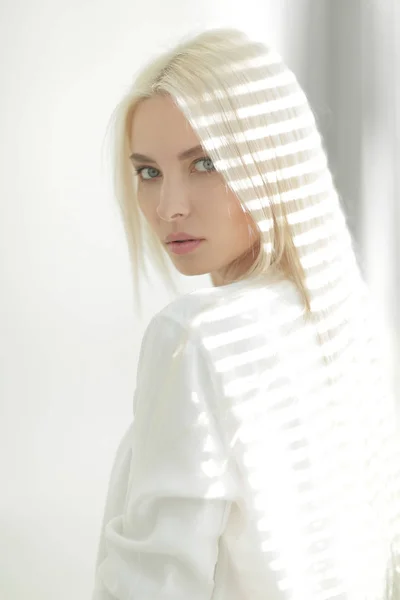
(245, 474)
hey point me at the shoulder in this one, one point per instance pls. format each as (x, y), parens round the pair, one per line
(185, 309)
(174, 320)
(179, 330)
(195, 318)
(253, 299)
(174, 361)
(172, 332)
(180, 318)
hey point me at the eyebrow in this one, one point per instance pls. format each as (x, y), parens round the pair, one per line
(185, 154)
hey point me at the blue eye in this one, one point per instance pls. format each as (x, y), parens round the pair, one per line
(206, 159)
(141, 169)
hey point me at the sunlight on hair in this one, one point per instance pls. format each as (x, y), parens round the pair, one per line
(310, 191)
(293, 100)
(272, 58)
(299, 391)
(287, 427)
(283, 150)
(309, 166)
(258, 133)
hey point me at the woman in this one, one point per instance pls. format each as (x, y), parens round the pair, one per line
(262, 461)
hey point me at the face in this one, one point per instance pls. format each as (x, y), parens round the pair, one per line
(187, 195)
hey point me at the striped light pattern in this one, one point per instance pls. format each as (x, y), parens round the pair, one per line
(315, 445)
(315, 432)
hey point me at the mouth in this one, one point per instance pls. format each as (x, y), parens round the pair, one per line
(184, 246)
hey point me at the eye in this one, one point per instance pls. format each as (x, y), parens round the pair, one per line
(205, 160)
(140, 170)
(152, 171)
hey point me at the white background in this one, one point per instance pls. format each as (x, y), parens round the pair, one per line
(69, 334)
(69, 337)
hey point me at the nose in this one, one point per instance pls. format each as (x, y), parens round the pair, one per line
(174, 202)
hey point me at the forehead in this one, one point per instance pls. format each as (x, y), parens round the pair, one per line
(158, 125)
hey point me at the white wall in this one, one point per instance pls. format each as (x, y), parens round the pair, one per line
(69, 340)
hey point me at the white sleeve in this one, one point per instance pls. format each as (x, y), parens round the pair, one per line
(164, 545)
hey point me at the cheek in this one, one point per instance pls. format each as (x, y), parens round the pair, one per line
(235, 210)
(240, 223)
(147, 208)
(221, 209)
(221, 201)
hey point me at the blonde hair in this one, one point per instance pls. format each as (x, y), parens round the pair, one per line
(255, 123)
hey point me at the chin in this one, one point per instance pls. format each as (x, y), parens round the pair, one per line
(191, 270)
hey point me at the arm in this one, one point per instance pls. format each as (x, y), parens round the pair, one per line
(164, 545)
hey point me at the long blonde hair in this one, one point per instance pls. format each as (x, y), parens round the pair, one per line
(255, 123)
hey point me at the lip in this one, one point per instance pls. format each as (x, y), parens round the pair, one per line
(181, 235)
(184, 247)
